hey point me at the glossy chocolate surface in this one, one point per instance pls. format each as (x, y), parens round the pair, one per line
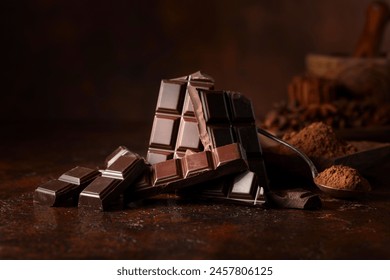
(111, 158)
(240, 188)
(191, 169)
(228, 117)
(106, 190)
(175, 128)
(65, 189)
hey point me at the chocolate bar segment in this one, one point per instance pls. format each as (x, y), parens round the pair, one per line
(65, 190)
(166, 171)
(105, 191)
(120, 151)
(123, 166)
(241, 188)
(192, 169)
(97, 194)
(175, 128)
(194, 164)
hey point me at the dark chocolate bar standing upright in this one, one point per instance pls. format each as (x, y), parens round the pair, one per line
(175, 127)
(228, 117)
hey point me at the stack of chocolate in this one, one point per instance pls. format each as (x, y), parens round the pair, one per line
(203, 144)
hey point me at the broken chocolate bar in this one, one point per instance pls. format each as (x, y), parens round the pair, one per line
(228, 117)
(192, 169)
(219, 118)
(65, 190)
(175, 128)
(105, 190)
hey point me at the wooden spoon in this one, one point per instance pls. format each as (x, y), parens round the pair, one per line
(378, 13)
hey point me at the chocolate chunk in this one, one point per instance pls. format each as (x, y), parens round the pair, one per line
(65, 190)
(124, 166)
(295, 198)
(191, 169)
(120, 151)
(166, 171)
(241, 188)
(106, 190)
(228, 117)
(98, 194)
(175, 128)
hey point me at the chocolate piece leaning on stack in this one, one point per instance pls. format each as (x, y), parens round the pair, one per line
(65, 190)
(190, 170)
(175, 127)
(123, 168)
(228, 117)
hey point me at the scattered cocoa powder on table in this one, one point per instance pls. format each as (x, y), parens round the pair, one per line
(342, 177)
(318, 140)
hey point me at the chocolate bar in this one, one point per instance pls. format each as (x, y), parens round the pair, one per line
(219, 118)
(228, 117)
(65, 190)
(106, 190)
(192, 169)
(175, 127)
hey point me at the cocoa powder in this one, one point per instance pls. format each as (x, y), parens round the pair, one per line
(318, 140)
(342, 177)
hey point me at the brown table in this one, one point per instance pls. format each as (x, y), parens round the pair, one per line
(164, 227)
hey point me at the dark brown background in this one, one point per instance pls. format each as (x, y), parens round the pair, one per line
(103, 60)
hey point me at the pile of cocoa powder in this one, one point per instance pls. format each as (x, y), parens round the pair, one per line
(318, 140)
(342, 177)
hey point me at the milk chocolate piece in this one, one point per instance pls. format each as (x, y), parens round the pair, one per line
(192, 169)
(65, 190)
(105, 191)
(175, 127)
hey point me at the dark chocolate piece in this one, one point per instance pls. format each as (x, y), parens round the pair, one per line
(191, 169)
(120, 151)
(124, 167)
(228, 117)
(297, 199)
(65, 190)
(220, 118)
(241, 188)
(175, 127)
(105, 191)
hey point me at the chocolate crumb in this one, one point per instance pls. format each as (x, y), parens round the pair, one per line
(342, 177)
(318, 140)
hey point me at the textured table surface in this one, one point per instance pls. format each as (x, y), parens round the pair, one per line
(164, 227)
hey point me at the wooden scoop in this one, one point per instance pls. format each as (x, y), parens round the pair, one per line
(378, 13)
